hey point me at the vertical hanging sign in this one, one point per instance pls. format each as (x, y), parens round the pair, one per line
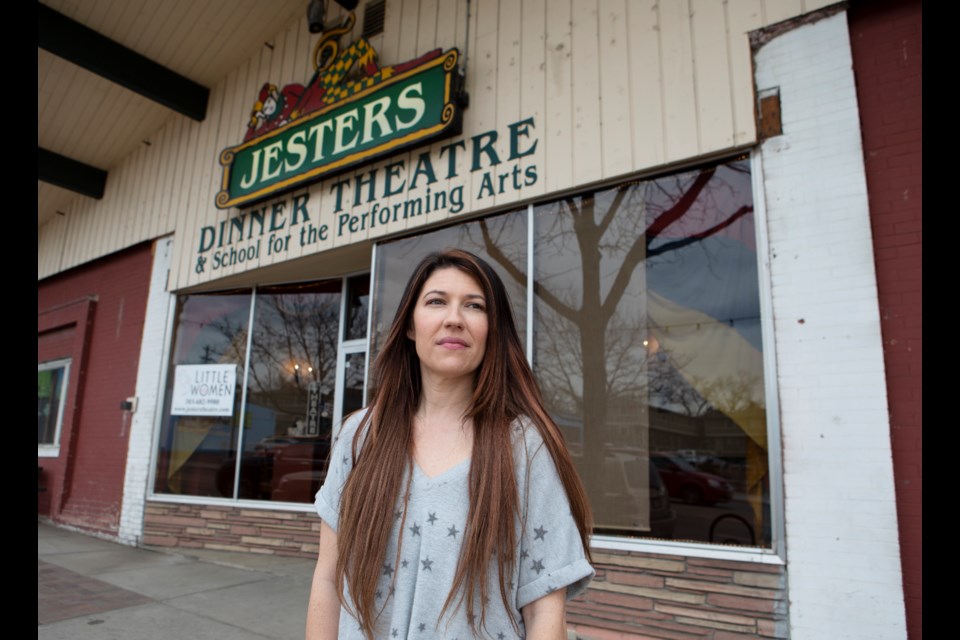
(314, 401)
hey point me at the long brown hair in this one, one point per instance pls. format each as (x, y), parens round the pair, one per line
(504, 390)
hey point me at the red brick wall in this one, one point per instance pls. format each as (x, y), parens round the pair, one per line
(887, 38)
(102, 307)
(633, 596)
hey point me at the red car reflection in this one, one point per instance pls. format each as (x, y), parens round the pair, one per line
(686, 483)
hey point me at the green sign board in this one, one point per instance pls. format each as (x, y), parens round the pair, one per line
(408, 109)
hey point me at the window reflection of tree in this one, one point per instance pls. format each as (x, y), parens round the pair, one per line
(669, 391)
(217, 341)
(289, 329)
(595, 348)
(293, 329)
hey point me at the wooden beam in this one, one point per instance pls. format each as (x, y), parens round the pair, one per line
(70, 174)
(86, 48)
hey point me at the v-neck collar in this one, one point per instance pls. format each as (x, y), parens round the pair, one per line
(454, 472)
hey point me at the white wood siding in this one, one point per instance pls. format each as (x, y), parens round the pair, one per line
(614, 87)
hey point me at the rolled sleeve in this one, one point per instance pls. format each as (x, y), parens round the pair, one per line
(574, 578)
(327, 510)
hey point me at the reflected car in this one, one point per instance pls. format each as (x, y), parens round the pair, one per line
(268, 445)
(299, 470)
(686, 483)
(702, 458)
(262, 471)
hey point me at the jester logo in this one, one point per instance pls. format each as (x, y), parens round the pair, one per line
(338, 75)
(351, 112)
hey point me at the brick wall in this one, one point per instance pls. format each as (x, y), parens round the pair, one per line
(887, 37)
(285, 533)
(658, 596)
(634, 595)
(103, 302)
(843, 554)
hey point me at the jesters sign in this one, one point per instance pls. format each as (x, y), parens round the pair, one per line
(351, 111)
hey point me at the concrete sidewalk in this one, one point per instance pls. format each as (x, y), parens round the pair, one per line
(92, 588)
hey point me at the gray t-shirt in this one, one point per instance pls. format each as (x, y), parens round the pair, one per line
(413, 589)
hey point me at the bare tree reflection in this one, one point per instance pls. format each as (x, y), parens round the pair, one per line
(594, 352)
(294, 343)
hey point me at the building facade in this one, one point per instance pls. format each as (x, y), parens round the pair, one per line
(708, 216)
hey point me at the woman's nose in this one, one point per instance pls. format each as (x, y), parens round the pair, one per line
(454, 317)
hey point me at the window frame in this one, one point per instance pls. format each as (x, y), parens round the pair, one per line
(343, 346)
(52, 450)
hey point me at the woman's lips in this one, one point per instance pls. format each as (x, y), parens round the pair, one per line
(452, 343)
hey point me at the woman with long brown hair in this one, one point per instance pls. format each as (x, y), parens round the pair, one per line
(451, 506)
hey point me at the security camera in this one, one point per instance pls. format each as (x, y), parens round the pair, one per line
(315, 16)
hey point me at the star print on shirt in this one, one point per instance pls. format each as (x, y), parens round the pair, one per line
(452, 531)
(432, 518)
(537, 566)
(403, 564)
(415, 529)
(500, 636)
(541, 533)
(345, 460)
(427, 564)
(387, 570)
(378, 594)
(394, 633)
(397, 514)
(422, 627)
(524, 554)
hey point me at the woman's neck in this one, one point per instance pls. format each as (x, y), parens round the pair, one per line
(445, 399)
(442, 435)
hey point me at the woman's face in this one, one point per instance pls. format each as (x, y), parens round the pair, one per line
(450, 325)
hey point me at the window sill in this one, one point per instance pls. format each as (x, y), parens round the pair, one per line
(686, 549)
(265, 505)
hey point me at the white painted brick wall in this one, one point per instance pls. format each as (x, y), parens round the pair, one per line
(149, 395)
(843, 556)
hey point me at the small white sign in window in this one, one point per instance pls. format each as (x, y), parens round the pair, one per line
(204, 390)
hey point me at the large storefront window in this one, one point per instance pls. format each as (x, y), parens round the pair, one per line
(194, 449)
(648, 350)
(646, 344)
(293, 371)
(298, 379)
